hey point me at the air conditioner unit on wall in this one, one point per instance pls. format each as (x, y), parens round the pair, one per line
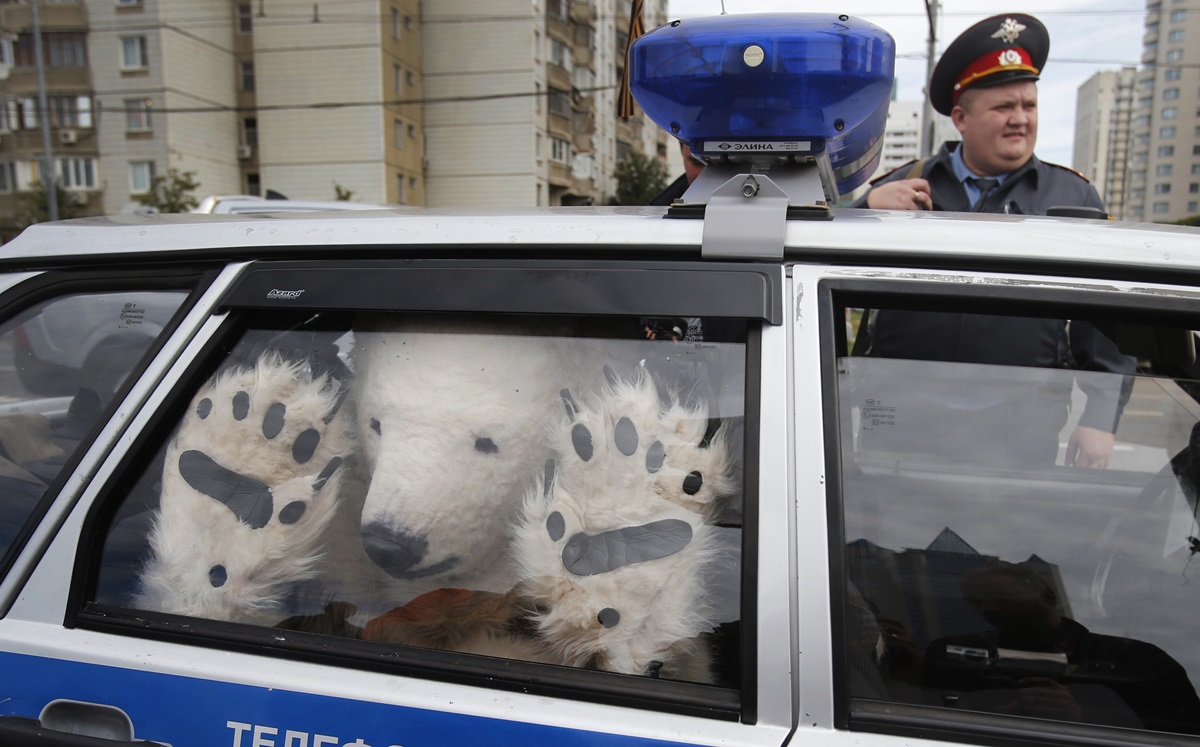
(68, 137)
(244, 152)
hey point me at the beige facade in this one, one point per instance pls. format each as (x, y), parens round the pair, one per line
(446, 103)
(522, 100)
(1164, 162)
(1103, 109)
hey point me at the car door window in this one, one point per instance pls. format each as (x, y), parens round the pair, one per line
(553, 489)
(61, 362)
(1019, 516)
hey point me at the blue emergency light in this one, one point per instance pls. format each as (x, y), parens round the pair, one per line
(781, 84)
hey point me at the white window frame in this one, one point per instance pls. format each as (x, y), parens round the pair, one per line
(560, 150)
(146, 177)
(136, 45)
(139, 109)
(77, 173)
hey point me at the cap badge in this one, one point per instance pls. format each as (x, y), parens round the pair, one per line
(1009, 30)
(1009, 57)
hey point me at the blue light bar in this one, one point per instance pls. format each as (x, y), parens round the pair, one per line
(797, 84)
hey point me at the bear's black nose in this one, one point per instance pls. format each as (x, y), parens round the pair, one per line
(400, 552)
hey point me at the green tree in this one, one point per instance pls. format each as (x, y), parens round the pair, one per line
(1191, 220)
(341, 194)
(639, 179)
(172, 192)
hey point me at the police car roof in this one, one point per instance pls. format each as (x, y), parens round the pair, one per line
(853, 236)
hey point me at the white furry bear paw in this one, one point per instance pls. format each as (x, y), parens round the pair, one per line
(612, 546)
(250, 482)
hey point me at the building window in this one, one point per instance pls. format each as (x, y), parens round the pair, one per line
(253, 185)
(1175, 36)
(59, 49)
(1172, 74)
(77, 173)
(1170, 112)
(1196, 169)
(247, 75)
(1163, 188)
(1194, 188)
(558, 52)
(408, 23)
(398, 134)
(395, 24)
(245, 19)
(1170, 94)
(1163, 169)
(560, 150)
(70, 111)
(250, 131)
(560, 102)
(1166, 151)
(133, 53)
(412, 182)
(8, 176)
(408, 77)
(1162, 207)
(397, 79)
(1178, 15)
(1166, 132)
(137, 115)
(412, 132)
(559, 9)
(400, 188)
(141, 177)
(1174, 55)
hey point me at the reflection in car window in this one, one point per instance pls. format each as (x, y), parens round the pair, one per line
(60, 364)
(987, 572)
(553, 490)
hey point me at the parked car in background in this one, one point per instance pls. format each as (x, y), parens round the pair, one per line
(248, 205)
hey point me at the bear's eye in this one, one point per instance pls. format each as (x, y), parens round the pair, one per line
(375, 426)
(486, 446)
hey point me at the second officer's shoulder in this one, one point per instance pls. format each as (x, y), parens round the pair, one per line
(910, 170)
(1065, 171)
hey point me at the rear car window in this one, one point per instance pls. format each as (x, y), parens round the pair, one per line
(562, 490)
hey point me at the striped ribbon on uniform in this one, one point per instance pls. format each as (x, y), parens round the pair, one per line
(637, 27)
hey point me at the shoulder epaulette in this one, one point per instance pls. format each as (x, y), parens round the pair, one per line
(1068, 168)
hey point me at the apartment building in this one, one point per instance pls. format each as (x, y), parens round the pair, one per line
(446, 103)
(521, 107)
(1163, 181)
(1103, 112)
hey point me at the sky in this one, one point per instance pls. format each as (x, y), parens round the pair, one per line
(1086, 37)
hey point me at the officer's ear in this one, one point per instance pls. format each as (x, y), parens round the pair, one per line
(957, 115)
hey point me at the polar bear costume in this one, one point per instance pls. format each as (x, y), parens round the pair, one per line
(587, 517)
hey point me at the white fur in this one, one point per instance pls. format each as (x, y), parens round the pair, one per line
(661, 602)
(194, 532)
(435, 389)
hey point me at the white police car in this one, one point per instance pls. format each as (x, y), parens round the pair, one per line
(432, 479)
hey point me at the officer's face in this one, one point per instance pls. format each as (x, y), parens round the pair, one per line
(998, 126)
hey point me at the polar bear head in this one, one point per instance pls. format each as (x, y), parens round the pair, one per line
(452, 414)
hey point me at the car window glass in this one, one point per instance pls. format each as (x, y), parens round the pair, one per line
(1020, 506)
(62, 361)
(555, 490)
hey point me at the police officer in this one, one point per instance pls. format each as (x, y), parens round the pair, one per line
(986, 82)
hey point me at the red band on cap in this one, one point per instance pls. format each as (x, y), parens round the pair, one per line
(1013, 58)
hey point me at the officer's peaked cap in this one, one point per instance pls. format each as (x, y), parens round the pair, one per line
(996, 50)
